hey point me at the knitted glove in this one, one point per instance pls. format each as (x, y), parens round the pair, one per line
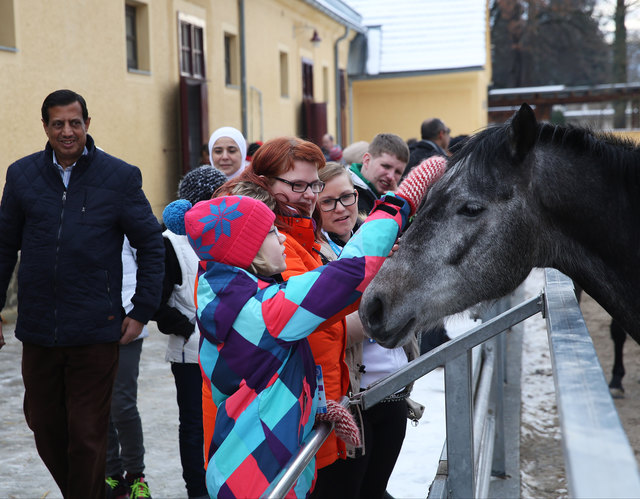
(345, 426)
(415, 185)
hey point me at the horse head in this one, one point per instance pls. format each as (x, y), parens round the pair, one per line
(473, 238)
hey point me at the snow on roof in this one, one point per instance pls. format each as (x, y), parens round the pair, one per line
(424, 35)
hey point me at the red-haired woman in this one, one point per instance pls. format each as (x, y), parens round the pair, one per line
(288, 168)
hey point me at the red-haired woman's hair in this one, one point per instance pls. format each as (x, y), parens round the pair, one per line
(272, 159)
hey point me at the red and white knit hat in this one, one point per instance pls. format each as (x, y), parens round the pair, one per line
(228, 229)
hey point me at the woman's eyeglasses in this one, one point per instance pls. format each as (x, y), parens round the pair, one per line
(300, 186)
(345, 200)
(274, 231)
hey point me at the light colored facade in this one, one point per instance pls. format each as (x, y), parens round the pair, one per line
(425, 59)
(254, 48)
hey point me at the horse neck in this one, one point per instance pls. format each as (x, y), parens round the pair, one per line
(592, 236)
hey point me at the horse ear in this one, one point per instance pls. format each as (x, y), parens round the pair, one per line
(523, 131)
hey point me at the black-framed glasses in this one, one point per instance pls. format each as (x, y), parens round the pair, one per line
(345, 200)
(300, 186)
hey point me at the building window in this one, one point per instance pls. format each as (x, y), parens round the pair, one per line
(137, 37)
(284, 74)
(307, 79)
(325, 83)
(7, 25)
(192, 50)
(231, 59)
(132, 37)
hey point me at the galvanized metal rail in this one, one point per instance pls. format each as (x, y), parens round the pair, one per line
(599, 461)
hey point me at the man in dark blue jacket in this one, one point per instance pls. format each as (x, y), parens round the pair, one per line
(66, 210)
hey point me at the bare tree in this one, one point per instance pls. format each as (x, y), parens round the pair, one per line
(544, 42)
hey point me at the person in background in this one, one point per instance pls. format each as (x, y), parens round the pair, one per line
(381, 168)
(366, 472)
(435, 142)
(66, 210)
(176, 318)
(204, 156)
(125, 444)
(457, 142)
(329, 145)
(228, 150)
(353, 153)
(251, 150)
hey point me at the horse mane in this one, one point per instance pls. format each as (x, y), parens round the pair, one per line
(620, 156)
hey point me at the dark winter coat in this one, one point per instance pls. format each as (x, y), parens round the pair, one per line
(70, 242)
(420, 151)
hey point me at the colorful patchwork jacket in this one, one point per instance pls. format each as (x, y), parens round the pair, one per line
(255, 356)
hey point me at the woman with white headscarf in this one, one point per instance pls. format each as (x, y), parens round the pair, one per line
(228, 150)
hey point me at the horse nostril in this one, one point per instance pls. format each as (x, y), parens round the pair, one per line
(375, 313)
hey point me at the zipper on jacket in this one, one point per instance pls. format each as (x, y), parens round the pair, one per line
(84, 207)
(106, 276)
(55, 267)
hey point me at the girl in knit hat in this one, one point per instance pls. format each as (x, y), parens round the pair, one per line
(176, 317)
(254, 351)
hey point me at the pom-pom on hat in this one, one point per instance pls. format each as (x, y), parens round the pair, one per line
(228, 229)
(200, 184)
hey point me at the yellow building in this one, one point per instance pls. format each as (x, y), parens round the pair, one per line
(424, 59)
(159, 76)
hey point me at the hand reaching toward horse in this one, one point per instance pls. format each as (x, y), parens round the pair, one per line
(415, 185)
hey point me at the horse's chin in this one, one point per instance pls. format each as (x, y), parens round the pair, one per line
(396, 337)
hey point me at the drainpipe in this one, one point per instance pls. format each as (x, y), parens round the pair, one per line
(243, 68)
(336, 70)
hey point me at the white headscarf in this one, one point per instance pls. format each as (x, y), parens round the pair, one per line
(236, 136)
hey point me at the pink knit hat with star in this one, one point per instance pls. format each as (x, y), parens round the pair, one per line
(228, 229)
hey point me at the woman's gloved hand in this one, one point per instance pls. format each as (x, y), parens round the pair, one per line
(345, 425)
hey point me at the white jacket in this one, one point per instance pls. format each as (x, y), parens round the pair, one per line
(129, 269)
(178, 349)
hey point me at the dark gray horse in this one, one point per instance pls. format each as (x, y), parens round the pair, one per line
(517, 196)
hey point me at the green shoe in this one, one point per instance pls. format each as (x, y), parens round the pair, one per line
(139, 487)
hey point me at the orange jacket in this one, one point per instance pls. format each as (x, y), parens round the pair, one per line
(328, 342)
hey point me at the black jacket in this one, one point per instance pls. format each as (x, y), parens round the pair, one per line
(70, 243)
(420, 151)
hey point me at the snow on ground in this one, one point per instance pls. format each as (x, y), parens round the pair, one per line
(22, 474)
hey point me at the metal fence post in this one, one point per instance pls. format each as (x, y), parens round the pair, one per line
(459, 415)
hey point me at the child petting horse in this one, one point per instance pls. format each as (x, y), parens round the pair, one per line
(254, 352)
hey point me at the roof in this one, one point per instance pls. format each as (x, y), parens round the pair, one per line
(339, 11)
(424, 35)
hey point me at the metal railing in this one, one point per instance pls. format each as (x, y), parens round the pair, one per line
(598, 459)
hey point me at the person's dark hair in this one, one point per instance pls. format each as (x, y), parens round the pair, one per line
(63, 98)
(391, 144)
(205, 148)
(252, 148)
(457, 142)
(431, 128)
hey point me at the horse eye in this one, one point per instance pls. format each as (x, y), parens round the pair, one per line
(471, 210)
